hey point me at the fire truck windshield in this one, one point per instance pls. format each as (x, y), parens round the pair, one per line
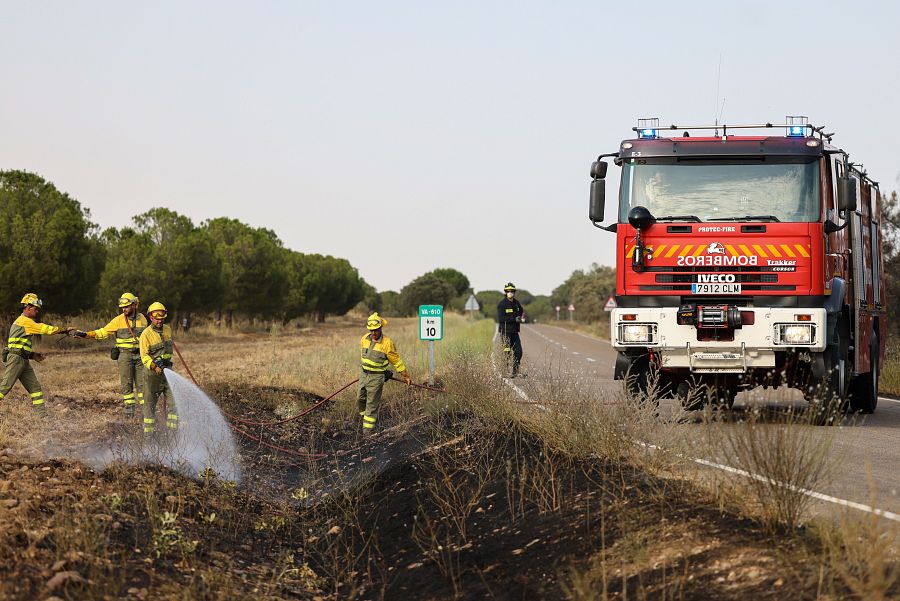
(782, 188)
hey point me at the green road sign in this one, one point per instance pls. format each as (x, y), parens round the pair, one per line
(431, 322)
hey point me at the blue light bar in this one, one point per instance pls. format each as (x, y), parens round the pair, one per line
(797, 125)
(647, 129)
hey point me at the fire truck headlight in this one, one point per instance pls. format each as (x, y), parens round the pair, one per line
(641, 333)
(795, 334)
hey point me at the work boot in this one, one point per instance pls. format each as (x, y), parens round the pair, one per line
(39, 410)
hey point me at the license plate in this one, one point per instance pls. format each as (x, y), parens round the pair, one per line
(715, 288)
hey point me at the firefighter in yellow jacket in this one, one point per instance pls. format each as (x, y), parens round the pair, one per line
(19, 352)
(126, 327)
(156, 355)
(377, 352)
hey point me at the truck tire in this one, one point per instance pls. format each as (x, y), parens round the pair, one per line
(638, 376)
(721, 395)
(864, 388)
(694, 398)
(827, 397)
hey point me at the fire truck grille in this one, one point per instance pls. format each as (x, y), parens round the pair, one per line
(756, 278)
(745, 287)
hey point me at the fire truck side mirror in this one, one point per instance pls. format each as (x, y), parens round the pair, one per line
(598, 170)
(846, 194)
(598, 200)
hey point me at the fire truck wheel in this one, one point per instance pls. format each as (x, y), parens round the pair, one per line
(864, 388)
(645, 382)
(692, 398)
(827, 398)
(721, 393)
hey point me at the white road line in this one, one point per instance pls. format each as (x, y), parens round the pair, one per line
(883, 398)
(515, 388)
(810, 493)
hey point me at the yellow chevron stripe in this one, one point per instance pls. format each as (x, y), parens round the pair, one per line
(789, 252)
(802, 250)
(760, 251)
(687, 248)
(672, 250)
(745, 250)
(730, 248)
(699, 249)
(657, 252)
(773, 250)
(628, 250)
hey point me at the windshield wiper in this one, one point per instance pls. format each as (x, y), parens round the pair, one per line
(679, 218)
(748, 218)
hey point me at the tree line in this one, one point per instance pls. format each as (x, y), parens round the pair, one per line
(49, 245)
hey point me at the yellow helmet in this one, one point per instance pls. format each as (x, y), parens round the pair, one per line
(157, 307)
(126, 299)
(32, 299)
(376, 321)
(510, 287)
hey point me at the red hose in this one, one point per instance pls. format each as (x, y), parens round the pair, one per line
(309, 409)
(306, 411)
(277, 448)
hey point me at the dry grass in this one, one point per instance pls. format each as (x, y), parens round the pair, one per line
(575, 452)
(785, 456)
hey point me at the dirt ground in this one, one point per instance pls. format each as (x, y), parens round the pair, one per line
(441, 504)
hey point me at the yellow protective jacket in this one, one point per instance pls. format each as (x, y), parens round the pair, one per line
(119, 327)
(375, 356)
(156, 344)
(21, 331)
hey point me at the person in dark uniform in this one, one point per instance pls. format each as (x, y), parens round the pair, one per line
(509, 315)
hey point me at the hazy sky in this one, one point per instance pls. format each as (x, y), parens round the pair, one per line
(406, 136)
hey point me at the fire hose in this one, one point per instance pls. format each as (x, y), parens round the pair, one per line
(306, 411)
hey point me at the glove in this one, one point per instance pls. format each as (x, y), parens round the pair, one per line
(406, 379)
(388, 375)
(518, 319)
(37, 357)
(158, 365)
(80, 334)
(157, 369)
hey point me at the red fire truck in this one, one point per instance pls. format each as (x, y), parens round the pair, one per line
(745, 260)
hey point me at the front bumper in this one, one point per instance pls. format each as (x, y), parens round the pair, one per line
(754, 346)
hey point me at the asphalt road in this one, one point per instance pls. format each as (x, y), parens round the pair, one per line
(865, 450)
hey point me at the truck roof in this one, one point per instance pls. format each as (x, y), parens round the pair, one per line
(729, 146)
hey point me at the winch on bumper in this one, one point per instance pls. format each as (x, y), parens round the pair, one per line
(718, 338)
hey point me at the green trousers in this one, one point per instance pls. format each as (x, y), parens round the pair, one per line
(155, 386)
(368, 399)
(131, 376)
(18, 368)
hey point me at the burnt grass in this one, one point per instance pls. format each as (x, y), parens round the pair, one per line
(436, 507)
